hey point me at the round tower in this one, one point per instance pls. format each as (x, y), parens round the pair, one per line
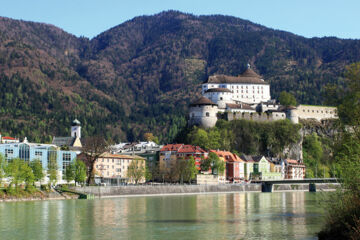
(203, 112)
(292, 115)
(76, 129)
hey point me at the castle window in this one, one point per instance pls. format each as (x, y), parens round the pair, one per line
(207, 114)
(221, 98)
(326, 111)
(303, 110)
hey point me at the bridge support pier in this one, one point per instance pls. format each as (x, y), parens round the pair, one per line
(312, 187)
(266, 187)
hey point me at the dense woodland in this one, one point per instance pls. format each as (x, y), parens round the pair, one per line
(141, 75)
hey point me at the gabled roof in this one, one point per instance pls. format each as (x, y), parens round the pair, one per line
(171, 147)
(248, 76)
(63, 141)
(9, 138)
(131, 157)
(203, 101)
(228, 156)
(182, 148)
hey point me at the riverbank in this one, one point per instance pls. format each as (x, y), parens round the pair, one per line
(156, 190)
(37, 196)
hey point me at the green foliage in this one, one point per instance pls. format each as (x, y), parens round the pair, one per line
(52, 169)
(19, 171)
(158, 72)
(343, 210)
(2, 168)
(248, 137)
(37, 169)
(287, 99)
(217, 165)
(80, 171)
(70, 172)
(136, 170)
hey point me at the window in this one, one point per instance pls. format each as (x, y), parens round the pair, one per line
(221, 98)
(8, 154)
(38, 153)
(24, 152)
(207, 114)
(66, 160)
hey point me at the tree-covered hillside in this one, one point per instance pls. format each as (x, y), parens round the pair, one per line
(141, 75)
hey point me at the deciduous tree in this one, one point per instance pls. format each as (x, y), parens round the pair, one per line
(93, 148)
(136, 170)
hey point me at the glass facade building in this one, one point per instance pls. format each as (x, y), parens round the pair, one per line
(44, 152)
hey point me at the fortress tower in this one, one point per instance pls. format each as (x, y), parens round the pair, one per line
(203, 112)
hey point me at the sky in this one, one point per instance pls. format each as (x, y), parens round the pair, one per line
(309, 18)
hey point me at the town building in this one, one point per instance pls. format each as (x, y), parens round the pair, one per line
(148, 150)
(171, 153)
(113, 168)
(294, 169)
(43, 152)
(7, 139)
(74, 141)
(235, 166)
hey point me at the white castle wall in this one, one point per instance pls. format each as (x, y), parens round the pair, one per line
(313, 112)
(244, 92)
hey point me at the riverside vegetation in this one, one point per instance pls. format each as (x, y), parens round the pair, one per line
(22, 177)
(343, 207)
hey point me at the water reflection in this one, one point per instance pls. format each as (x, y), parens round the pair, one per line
(294, 215)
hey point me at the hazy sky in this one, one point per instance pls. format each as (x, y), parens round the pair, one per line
(309, 18)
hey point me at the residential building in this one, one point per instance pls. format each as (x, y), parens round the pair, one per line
(115, 166)
(294, 169)
(235, 166)
(171, 153)
(7, 139)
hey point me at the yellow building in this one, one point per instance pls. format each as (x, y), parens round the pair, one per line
(116, 166)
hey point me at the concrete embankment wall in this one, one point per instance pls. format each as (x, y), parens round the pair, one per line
(189, 189)
(305, 187)
(167, 189)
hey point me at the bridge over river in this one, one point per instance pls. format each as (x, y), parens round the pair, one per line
(267, 185)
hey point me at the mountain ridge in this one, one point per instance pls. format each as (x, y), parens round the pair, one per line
(140, 76)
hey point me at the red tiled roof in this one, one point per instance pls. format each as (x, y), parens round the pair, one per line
(182, 148)
(171, 147)
(9, 138)
(228, 156)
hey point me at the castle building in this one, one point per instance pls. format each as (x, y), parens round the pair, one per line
(247, 96)
(248, 87)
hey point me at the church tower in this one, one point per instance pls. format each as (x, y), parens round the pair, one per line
(76, 129)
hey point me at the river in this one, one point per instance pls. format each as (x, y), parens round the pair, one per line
(279, 215)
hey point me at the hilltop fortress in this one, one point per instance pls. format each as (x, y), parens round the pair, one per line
(247, 96)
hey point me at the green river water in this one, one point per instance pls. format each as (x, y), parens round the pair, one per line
(281, 215)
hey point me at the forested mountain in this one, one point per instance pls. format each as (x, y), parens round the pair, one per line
(140, 75)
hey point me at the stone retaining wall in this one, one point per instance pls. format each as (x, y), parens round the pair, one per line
(167, 189)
